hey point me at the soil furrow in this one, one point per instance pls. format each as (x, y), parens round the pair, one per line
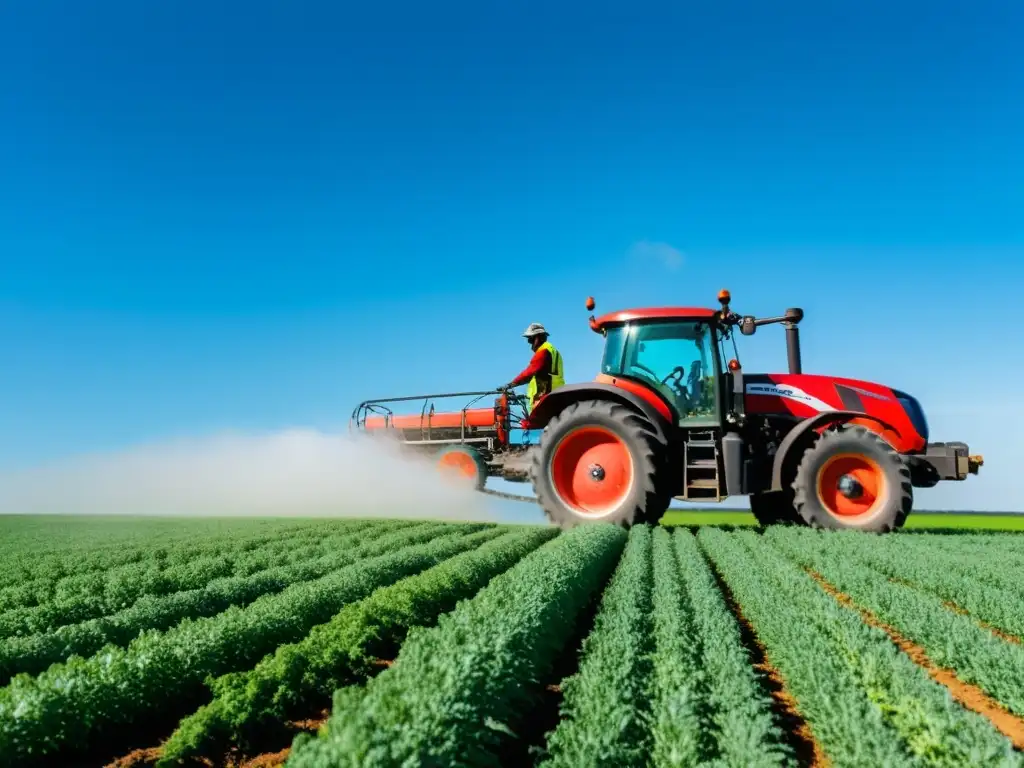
(1001, 634)
(967, 695)
(798, 732)
(546, 712)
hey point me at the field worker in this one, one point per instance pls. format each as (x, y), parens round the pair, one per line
(545, 372)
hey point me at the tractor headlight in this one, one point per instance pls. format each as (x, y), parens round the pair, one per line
(914, 412)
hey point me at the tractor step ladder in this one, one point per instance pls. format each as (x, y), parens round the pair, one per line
(700, 467)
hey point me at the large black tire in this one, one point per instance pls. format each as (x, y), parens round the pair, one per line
(887, 495)
(774, 508)
(644, 498)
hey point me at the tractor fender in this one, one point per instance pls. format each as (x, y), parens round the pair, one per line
(554, 403)
(808, 424)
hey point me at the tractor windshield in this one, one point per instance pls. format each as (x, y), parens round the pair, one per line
(678, 360)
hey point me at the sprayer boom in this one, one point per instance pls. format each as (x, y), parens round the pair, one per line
(472, 442)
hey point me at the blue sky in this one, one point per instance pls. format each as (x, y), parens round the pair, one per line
(251, 216)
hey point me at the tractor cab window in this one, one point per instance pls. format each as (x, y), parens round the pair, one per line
(678, 360)
(611, 361)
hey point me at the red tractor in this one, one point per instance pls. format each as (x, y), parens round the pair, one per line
(671, 415)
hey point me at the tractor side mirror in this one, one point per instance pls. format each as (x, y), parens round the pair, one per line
(747, 326)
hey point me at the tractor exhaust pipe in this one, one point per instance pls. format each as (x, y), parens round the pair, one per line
(749, 324)
(793, 316)
(793, 348)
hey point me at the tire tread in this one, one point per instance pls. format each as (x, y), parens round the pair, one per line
(652, 472)
(803, 485)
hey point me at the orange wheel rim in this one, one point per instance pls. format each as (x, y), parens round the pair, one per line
(592, 471)
(851, 485)
(458, 465)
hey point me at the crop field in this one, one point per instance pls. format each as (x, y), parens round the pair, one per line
(934, 521)
(357, 642)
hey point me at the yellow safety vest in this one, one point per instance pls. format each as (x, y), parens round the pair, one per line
(535, 389)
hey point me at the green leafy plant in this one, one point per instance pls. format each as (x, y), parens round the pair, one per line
(457, 691)
(71, 705)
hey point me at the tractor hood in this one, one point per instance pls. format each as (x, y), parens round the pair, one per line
(803, 394)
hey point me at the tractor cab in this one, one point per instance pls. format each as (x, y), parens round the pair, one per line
(675, 354)
(682, 357)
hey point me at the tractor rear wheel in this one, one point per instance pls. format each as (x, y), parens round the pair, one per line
(463, 465)
(773, 508)
(852, 479)
(600, 462)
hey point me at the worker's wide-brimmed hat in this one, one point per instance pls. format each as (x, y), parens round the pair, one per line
(535, 329)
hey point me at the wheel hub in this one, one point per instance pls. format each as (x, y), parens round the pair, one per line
(850, 487)
(591, 471)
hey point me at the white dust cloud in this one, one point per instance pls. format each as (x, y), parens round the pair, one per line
(300, 473)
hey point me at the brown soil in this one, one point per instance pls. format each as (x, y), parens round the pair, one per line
(310, 723)
(797, 732)
(969, 696)
(268, 760)
(144, 758)
(801, 739)
(136, 759)
(277, 759)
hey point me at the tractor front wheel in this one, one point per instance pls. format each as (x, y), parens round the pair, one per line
(600, 462)
(852, 479)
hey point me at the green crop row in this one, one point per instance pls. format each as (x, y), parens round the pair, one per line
(87, 571)
(298, 677)
(949, 639)
(678, 682)
(739, 709)
(997, 548)
(995, 567)
(49, 535)
(664, 679)
(28, 536)
(31, 562)
(866, 702)
(695, 682)
(963, 539)
(121, 588)
(34, 653)
(458, 690)
(73, 705)
(605, 707)
(951, 580)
